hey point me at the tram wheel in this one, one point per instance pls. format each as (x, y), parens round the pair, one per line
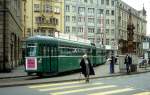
(29, 73)
(39, 74)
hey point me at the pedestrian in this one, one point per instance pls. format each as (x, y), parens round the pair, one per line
(112, 63)
(143, 62)
(149, 61)
(128, 62)
(86, 67)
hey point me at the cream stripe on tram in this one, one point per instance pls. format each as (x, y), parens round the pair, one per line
(81, 90)
(54, 84)
(73, 86)
(143, 93)
(113, 92)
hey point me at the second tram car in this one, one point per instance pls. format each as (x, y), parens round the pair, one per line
(52, 55)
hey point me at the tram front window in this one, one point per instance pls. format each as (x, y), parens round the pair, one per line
(31, 51)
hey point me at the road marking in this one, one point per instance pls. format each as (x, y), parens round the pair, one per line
(73, 86)
(112, 92)
(54, 84)
(143, 93)
(81, 90)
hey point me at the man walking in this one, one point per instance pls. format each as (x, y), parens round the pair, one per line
(128, 62)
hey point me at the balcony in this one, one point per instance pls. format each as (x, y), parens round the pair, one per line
(44, 22)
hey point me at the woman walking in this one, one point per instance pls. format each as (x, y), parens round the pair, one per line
(86, 67)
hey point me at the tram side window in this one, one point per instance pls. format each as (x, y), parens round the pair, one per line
(52, 51)
(44, 50)
(63, 50)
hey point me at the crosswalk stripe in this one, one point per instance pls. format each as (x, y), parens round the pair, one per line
(143, 93)
(81, 90)
(112, 92)
(54, 84)
(73, 86)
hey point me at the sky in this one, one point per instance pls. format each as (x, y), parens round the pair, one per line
(138, 4)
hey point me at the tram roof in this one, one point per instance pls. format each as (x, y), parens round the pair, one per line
(54, 41)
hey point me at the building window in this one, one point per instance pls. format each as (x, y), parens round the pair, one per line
(29, 32)
(91, 10)
(112, 22)
(112, 3)
(53, 21)
(102, 2)
(91, 30)
(99, 21)
(36, 7)
(85, 1)
(67, 29)
(91, 1)
(67, 18)
(81, 10)
(74, 29)
(98, 30)
(73, 8)
(67, 8)
(107, 41)
(112, 31)
(47, 8)
(81, 19)
(57, 10)
(100, 11)
(91, 20)
(107, 31)
(112, 12)
(39, 20)
(107, 12)
(107, 2)
(73, 18)
(107, 21)
(43, 32)
(81, 29)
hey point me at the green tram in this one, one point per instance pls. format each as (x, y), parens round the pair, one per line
(50, 55)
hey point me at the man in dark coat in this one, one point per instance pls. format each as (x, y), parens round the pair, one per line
(128, 62)
(86, 67)
(112, 63)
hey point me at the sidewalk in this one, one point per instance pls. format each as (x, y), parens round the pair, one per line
(17, 72)
(100, 72)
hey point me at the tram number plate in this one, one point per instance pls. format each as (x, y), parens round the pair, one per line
(31, 63)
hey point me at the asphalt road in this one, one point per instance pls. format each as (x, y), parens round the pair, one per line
(138, 84)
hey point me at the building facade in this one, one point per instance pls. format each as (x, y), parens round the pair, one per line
(10, 34)
(89, 19)
(43, 17)
(103, 22)
(94, 20)
(139, 22)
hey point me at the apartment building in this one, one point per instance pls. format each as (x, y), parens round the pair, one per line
(103, 22)
(139, 21)
(10, 34)
(89, 19)
(43, 17)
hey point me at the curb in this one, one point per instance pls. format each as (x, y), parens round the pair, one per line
(13, 77)
(59, 81)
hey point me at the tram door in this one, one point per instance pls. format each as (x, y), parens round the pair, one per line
(94, 55)
(53, 59)
(45, 59)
